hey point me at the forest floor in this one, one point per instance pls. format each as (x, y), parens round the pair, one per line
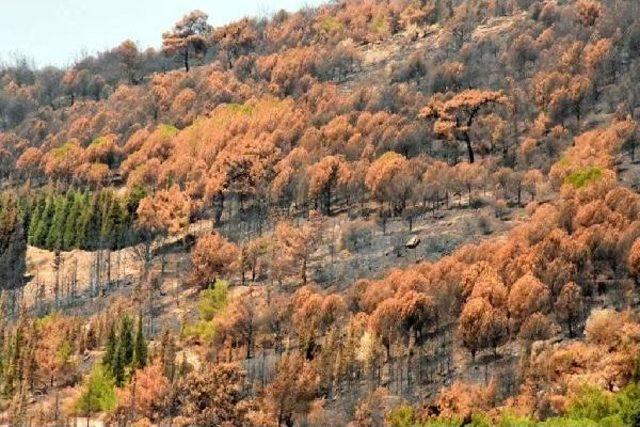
(331, 266)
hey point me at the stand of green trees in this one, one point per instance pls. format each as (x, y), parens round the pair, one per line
(80, 220)
(125, 350)
(13, 244)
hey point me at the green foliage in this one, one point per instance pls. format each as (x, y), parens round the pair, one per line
(242, 109)
(108, 358)
(584, 177)
(379, 25)
(402, 416)
(126, 339)
(508, 420)
(332, 25)
(212, 301)
(167, 131)
(628, 403)
(592, 403)
(63, 150)
(201, 329)
(98, 393)
(567, 422)
(64, 351)
(590, 407)
(440, 423)
(119, 365)
(80, 220)
(124, 351)
(140, 349)
(481, 420)
(13, 243)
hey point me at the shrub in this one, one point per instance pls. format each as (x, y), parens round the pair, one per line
(212, 301)
(98, 393)
(584, 177)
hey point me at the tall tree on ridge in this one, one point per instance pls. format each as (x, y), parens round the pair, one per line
(187, 36)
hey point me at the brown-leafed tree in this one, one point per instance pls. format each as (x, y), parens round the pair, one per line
(324, 176)
(527, 296)
(211, 396)
(188, 36)
(482, 326)
(633, 261)
(295, 245)
(292, 391)
(130, 59)
(455, 116)
(391, 179)
(212, 258)
(569, 306)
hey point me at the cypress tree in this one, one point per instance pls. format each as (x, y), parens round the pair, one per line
(119, 365)
(84, 219)
(126, 339)
(54, 238)
(140, 349)
(112, 346)
(13, 244)
(42, 230)
(108, 223)
(93, 225)
(39, 206)
(69, 235)
(125, 225)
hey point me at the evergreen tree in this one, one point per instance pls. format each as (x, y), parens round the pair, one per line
(119, 365)
(39, 206)
(54, 237)
(69, 235)
(126, 339)
(140, 349)
(83, 228)
(120, 223)
(44, 223)
(98, 394)
(112, 346)
(13, 244)
(93, 225)
(26, 207)
(108, 221)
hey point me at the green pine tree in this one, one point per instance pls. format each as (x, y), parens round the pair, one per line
(126, 339)
(112, 345)
(54, 238)
(36, 217)
(83, 229)
(140, 350)
(13, 244)
(42, 230)
(71, 223)
(94, 224)
(98, 394)
(119, 365)
(108, 224)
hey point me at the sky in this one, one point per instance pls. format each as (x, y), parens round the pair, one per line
(56, 32)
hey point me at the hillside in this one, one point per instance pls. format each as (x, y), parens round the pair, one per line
(371, 213)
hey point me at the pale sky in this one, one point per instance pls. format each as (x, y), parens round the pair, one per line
(55, 32)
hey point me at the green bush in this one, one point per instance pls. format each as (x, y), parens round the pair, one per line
(212, 301)
(402, 416)
(98, 394)
(584, 177)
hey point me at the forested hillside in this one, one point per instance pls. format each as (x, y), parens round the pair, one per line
(370, 213)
